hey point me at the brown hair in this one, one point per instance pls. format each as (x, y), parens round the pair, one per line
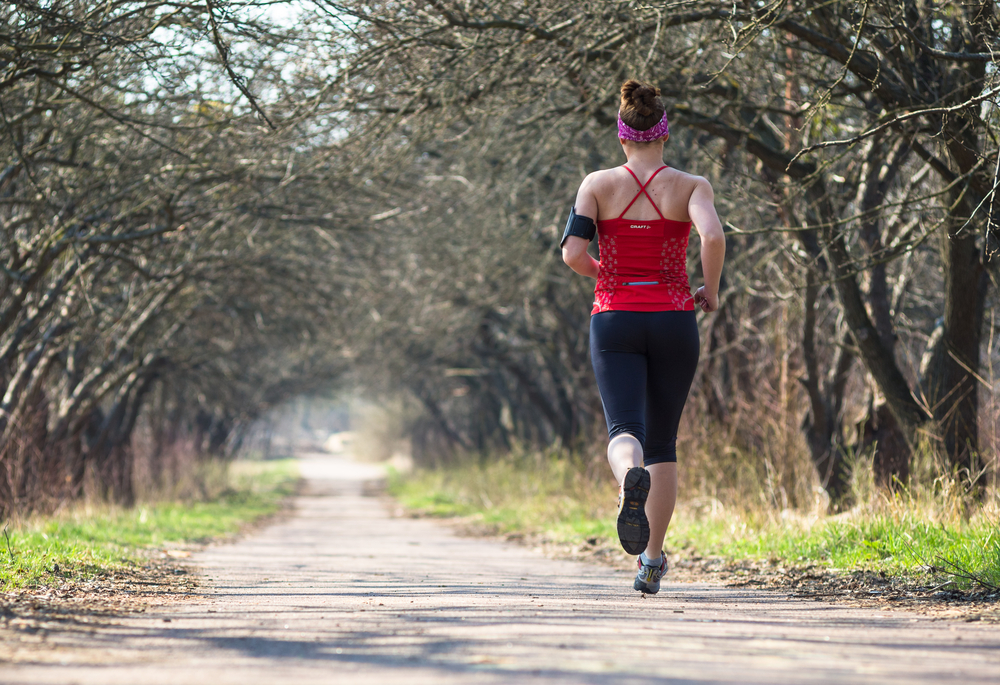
(641, 106)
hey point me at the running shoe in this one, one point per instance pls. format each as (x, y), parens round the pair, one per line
(647, 580)
(633, 528)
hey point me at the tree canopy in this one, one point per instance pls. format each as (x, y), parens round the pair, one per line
(208, 209)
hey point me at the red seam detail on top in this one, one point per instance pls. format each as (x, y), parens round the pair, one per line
(626, 258)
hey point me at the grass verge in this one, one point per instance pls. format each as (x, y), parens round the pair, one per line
(893, 541)
(88, 541)
(535, 494)
(916, 538)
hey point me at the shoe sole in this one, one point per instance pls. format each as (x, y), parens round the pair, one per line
(645, 589)
(633, 527)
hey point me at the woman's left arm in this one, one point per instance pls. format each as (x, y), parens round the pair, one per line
(574, 250)
(701, 208)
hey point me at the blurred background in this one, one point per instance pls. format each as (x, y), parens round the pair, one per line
(241, 229)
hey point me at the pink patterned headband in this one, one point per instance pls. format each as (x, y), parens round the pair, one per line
(628, 133)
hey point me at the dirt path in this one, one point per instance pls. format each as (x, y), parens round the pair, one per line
(341, 592)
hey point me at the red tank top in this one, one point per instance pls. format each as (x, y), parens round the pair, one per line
(643, 263)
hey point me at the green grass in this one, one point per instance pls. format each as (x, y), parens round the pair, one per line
(913, 538)
(515, 493)
(896, 543)
(89, 541)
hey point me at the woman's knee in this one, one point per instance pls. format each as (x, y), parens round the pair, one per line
(631, 433)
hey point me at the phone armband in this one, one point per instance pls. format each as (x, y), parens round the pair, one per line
(580, 226)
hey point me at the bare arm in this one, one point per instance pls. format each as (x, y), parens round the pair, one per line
(574, 250)
(701, 208)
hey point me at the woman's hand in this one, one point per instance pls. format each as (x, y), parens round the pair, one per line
(708, 303)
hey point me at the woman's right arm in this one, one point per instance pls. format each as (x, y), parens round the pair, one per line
(574, 250)
(701, 208)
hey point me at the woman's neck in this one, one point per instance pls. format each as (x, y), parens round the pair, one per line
(645, 156)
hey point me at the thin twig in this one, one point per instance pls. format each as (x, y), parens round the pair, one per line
(896, 120)
(223, 51)
(942, 54)
(962, 572)
(6, 535)
(942, 564)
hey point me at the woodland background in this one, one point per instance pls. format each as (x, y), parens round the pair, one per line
(210, 209)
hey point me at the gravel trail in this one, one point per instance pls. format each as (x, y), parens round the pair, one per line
(341, 592)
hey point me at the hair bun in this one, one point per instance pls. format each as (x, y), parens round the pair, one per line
(640, 96)
(641, 107)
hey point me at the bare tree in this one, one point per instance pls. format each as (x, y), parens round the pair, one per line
(871, 133)
(154, 238)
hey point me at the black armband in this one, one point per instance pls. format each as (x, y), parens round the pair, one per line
(580, 226)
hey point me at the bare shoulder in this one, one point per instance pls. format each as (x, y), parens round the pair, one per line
(593, 187)
(691, 181)
(595, 181)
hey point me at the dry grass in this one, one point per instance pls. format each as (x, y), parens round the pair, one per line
(749, 490)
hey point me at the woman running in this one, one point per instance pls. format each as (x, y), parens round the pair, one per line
(643, 334)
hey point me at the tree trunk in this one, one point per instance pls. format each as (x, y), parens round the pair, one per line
(892, 454)
(951, 384)
(891, 463)
(823, 425)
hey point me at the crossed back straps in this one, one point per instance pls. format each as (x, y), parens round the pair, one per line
(643, 191)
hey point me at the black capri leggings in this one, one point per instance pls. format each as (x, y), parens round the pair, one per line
(644, 363)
